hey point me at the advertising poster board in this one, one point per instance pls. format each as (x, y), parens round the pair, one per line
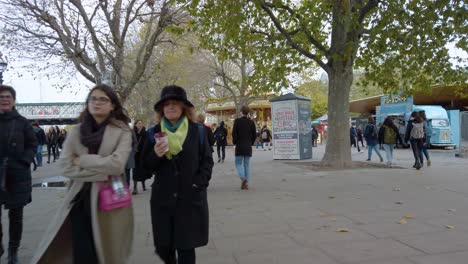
(291, 126)
(284, 120)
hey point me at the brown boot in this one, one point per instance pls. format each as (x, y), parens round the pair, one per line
(243, 184)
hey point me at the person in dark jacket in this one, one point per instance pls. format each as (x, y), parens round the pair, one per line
(41, 141)
(427, 138)
(220, 135)
(353, 137)
(371, 136)
(388, 136)
(266, 137)
(183, 166)
(17, 150)
(416, 142)
(52, 139)
(360, 137)
(243, 137)
(139, 173)
(201, 120)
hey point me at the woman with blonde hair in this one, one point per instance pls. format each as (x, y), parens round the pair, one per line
(94, 155)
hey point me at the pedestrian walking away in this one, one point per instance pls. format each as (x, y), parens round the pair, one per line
(371, 136)
(139, 173)
(243, 137)
(84, 229)
(314, 136)
(388, 137)
(415, 135)
(130, 166)
(17, 150)
(353, 136)
(427, 137)
(177, 151)
(220, 136)
(41, 141)
(360, 137)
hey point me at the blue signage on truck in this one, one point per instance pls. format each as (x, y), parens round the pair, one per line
(400, 108)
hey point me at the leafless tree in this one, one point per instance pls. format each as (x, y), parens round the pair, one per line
(95, 36)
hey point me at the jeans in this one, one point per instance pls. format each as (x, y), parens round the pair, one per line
(417, 145)
(39, 155)
(242, 166)
(369, 151)
(259, 142)
(15, 216)
(222, 148)
(424, 148)
(186, 256)
(389, 151)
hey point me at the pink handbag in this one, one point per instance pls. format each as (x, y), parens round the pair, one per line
(114, 194)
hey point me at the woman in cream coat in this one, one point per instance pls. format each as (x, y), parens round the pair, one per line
(80, 232)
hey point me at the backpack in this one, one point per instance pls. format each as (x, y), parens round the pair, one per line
(219, 135)
(264, 134)
(389, 135)
(417, 132)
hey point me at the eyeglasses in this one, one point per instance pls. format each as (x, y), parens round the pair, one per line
(8, 97)
(99, 100)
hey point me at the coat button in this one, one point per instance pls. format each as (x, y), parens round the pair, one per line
(175, 195)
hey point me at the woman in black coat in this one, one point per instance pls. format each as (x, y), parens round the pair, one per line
(17, 150)
(182, 165)
(139, 173)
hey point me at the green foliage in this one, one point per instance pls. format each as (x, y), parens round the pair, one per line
(226, 28)
(317, 92)
(406, 48)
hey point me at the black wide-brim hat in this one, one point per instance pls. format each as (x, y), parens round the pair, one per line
(172, 92)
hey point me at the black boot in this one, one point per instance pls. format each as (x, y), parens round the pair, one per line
(143, 185)
(13, 256)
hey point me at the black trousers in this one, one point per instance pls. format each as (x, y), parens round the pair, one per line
(417, 145)
(84, 250)
(15, 216)
(223, 149)
(54, 150)
(186, 256)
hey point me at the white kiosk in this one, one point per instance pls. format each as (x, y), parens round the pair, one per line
(292, 134)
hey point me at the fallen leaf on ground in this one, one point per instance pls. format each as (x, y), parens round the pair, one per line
(399, 202)
(449, 226)
(409, 216)
(324, 214)
(333, 219)
(402, 222)
(331, 197)
(452, 210)
(342, 230)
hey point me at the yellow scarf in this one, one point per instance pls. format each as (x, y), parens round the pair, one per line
(176, 139)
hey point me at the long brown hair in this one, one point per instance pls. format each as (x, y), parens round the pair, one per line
(119, 113)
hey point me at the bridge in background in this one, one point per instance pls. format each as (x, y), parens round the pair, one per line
(52, 113)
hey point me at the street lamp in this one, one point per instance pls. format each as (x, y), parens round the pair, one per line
(3, 66)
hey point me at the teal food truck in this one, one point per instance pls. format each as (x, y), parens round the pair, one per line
(443, 131)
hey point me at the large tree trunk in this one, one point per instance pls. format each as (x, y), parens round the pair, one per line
(338, 150)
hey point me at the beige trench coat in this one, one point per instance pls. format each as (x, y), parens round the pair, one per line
(113, 230)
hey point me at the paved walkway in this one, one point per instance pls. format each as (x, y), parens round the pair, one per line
(292, 215)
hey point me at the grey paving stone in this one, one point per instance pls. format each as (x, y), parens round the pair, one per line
(448, 258)
(439, 242)
(367, 250)
(296, 256)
